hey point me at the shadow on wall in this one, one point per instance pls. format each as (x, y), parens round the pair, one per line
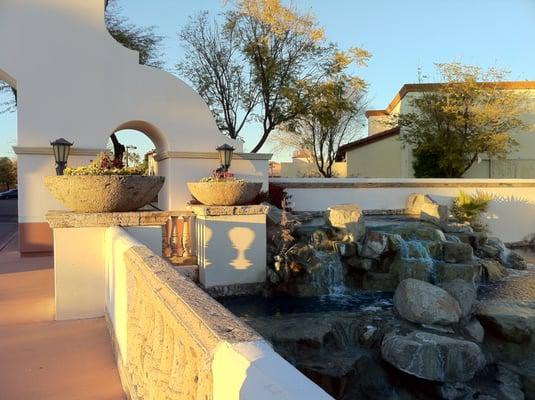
(230, 253)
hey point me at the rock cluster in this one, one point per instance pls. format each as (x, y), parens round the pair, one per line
(431, 248)
(438, 341)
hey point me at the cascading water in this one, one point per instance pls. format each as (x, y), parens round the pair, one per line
(328, 275)
(417, 250)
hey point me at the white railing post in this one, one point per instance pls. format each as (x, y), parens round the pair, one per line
(186, 236)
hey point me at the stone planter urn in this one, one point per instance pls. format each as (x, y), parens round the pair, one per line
(225, 193)
(104, 193)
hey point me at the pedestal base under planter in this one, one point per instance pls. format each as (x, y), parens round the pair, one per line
(231, 244)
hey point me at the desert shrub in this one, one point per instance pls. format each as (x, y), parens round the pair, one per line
(469, 208)
(105, 165)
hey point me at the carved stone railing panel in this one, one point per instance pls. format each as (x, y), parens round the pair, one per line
(173, 328)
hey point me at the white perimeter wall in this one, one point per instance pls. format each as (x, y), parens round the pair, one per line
(511, 215)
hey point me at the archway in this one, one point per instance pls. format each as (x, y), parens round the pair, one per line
(131, 145)
(137, 142)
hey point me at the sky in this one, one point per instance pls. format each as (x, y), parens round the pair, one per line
(402, 35)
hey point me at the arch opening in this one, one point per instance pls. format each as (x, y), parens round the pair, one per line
(135, 144)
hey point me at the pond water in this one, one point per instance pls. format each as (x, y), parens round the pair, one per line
(255, 306)
(518, 285)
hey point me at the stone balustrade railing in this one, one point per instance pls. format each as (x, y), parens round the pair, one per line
(173, 341)
(177, 237)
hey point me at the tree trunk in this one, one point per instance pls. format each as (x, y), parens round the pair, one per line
(118, 151)
(261, 142)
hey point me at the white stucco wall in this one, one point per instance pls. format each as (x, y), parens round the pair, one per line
(231, 249)
(511, 215)
(87, 262)
(75, 81)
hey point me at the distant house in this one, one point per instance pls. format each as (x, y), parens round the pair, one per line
(381, 154)
(303, 165)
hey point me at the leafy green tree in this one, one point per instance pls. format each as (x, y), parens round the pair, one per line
(468, 114)
(330, 111)
(8, 173)
(255, 63)
(217, 70)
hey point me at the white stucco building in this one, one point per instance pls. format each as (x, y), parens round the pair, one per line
(382, 155)
(98, 88)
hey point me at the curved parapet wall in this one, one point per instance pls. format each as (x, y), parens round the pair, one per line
(75, 81)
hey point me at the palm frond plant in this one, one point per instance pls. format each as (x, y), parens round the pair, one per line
(470, 207)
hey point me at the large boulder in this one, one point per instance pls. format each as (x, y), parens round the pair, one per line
(348, 217)
(509, 384)
(462, 291)
(336, 371)
(513, 321)
(457, 227)
(457, 252)
(427, 208)
(274, 214)
(421, 231)
(433, 357)
(301, 256)
(424, 303)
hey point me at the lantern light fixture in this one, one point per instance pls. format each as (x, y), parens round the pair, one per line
(61, 148)
(225, 156)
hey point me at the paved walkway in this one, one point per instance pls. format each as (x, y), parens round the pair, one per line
(43, 359)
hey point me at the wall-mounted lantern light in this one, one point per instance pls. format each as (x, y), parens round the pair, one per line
(61, 149)
(225, 156)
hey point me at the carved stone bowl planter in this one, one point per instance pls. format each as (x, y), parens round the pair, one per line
(104, 193)
(225, 193)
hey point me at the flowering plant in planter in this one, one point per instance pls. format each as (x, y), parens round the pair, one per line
(105, 165)
(222, 188)
(104, 186)
(220, 176)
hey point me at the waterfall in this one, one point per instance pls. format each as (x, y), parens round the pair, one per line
(416, 250)
(328, 276)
